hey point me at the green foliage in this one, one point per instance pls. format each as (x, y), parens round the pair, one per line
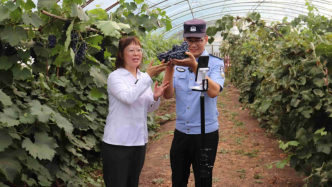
(284, 76)
(53, 111)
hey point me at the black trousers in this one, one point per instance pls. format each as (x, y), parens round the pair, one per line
(185, 151)
(122, 165)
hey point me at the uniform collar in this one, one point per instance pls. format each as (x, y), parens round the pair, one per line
(124, 71)
(205, 53)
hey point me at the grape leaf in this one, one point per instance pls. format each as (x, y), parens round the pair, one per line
(27, 118)
(45, 4)
(28, 6)
(96, 93)
(94, 39)
(63, 123)
(9, 117)
(4, 13)
(98, 76)
(29, 181)
(5, 140)
(33, 19)
(5, 99)
(13, 36)
(5, 63)
(43, 148)
(9, 166)
(43, 112)
(78, 11)
(111, 28)
(21, 74)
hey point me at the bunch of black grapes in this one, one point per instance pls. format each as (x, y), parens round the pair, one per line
(74, 40)
(80, 55)
(66, 25)
(100, 55)
(51, 41)
(177, 52)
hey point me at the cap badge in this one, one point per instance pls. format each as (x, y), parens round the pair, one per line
(192, 29)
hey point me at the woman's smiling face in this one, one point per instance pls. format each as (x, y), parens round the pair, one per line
(132, 56)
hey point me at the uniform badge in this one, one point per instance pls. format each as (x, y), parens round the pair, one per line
(180, 69)
(222, 71)
(192, 29)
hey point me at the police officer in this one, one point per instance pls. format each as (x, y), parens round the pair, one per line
(185, 150)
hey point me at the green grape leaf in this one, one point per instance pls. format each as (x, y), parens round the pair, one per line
(98, 76)
(29, 181)
(23, 74)
(68, 34)
(27, 118)
(96, 93)
(94, 39)
(13, 36)
(5, 63)
(11, 6)
(42, 148)
(63, 123)
(89, 107)
(9, 166)
(43, 112)
(4, 13)
(9, 117)
(33, 19)
(34, 165)
(264, 106)
(28, 6)
(5, 140)
(78, 11)
(45, 4)
(5, 99)
(111, 28)
(318, 82)
(281, 164)
(64, 56)
(72, 55)
(319, 92)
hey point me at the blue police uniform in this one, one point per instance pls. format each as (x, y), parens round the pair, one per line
(188, 102)
(185, 149)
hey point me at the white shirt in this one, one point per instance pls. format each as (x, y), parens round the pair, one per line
(129, 103)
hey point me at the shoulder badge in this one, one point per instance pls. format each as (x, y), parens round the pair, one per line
(180, 69)
(222, 71)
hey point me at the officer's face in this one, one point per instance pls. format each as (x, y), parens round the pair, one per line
(197, 45)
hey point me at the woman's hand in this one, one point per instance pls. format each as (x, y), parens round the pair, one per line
(159, 90)
(155, 70)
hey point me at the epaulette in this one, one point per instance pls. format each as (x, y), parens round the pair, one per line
(216, 57)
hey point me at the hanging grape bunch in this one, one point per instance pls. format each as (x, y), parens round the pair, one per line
(177, 52)
(51, 41)
(80, 55)
(100, 55)
(66, 25)
(74, 40)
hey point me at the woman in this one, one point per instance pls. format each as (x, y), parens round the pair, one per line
(130, 99)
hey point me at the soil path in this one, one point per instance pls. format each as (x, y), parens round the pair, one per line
(246, 155)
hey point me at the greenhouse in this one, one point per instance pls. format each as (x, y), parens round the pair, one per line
(166, 93)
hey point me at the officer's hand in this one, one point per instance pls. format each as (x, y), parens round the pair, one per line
(187, 62)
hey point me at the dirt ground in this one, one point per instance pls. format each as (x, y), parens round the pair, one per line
(246, 155)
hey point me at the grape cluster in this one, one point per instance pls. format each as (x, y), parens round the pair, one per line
(66, 25)
(9, 50)
(177, 52)
(74, 40)
(80, 55)
(100, 55)
(51, 41)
